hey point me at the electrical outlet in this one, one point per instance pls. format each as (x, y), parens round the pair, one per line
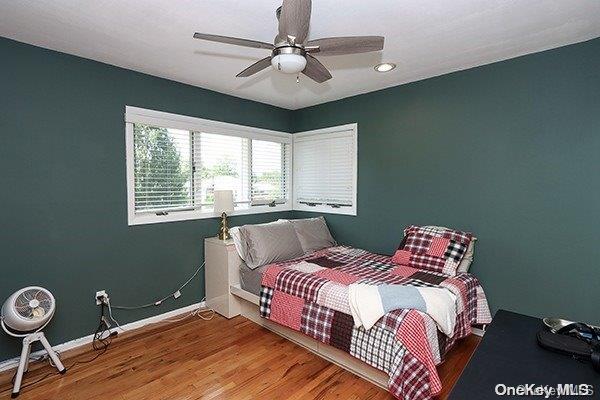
(101, 296)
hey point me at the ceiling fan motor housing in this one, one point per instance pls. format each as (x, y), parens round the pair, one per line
(289, 59)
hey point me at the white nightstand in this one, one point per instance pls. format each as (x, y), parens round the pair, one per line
(221, 271)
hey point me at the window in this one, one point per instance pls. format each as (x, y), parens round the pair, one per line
(175, 163)
(162, 165)
(325, 170)
(269, 164)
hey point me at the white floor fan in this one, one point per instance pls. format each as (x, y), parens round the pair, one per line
(25, 314)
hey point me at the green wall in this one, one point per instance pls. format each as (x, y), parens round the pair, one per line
(509, 151)
(63, 218)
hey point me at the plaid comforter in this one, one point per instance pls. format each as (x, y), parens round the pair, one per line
(310, 295)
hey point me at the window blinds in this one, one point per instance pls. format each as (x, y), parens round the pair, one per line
(220, 163)
(325, 169)
(180, 170)
(270, 172)
(162, 167)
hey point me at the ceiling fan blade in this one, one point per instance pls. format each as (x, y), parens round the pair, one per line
(336, 46)
(294, 20)
(256, 67)
(315, 70)
(232, 40)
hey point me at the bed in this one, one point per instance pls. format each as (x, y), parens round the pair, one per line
(306, 299)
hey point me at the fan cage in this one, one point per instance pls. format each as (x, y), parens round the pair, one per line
(23, 300)
(27, 310)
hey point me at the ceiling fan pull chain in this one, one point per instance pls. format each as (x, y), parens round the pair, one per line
(298, 79)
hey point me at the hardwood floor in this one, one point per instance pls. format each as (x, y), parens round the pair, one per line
(217, 359)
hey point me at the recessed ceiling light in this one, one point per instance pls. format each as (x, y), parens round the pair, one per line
(384, 67)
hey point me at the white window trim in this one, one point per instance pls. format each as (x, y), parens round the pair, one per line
(168, 120)
(175, 121)
(352, 211)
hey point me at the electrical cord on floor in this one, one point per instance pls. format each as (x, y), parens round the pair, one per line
(203, 313)
(100, 343)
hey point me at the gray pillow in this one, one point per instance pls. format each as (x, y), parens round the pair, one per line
(268, 243)
(313, 234)
(239, 241)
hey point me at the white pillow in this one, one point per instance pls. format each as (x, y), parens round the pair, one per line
(263, 244)
(465, 263)
(313, 234)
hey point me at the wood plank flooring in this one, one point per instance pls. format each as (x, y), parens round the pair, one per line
(217, 359)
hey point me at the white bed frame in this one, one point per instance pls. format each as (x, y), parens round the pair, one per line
(226, 297)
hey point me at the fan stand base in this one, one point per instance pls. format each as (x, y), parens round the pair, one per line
(24, 361)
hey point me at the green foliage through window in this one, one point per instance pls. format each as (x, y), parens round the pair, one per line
(161, 178)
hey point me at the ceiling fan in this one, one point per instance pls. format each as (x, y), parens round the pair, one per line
(291, 53)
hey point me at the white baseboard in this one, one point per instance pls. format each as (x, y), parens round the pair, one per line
(72, 344)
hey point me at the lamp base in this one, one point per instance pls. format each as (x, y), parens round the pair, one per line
(224, 230)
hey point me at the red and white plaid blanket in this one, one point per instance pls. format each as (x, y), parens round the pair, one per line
(310, 295)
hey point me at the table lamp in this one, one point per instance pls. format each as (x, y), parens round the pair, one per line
(223, 205)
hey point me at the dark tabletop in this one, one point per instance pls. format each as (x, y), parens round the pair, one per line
(509, 354)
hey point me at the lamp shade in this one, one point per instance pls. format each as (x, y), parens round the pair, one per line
(223, 201)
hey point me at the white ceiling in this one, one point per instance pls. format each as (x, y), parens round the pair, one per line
(424, 37)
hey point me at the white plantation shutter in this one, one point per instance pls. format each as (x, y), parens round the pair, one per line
(270, 178)
(325, 170)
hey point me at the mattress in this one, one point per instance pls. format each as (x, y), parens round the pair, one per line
(250, 279)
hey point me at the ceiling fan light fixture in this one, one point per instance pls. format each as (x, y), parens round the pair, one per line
(289, 63)
(384, 67)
